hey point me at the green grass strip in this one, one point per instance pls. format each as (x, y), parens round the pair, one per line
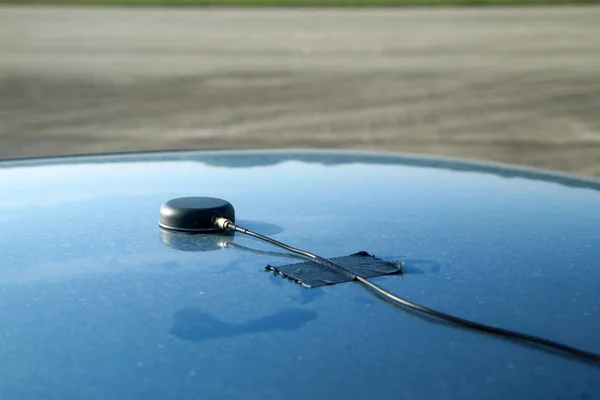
(301, 3)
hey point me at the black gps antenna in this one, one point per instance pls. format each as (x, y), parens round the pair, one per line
(213, 215)
(195, 214)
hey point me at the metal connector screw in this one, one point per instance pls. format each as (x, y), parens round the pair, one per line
(223, 223)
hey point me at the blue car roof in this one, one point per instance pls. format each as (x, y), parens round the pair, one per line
(98, 303)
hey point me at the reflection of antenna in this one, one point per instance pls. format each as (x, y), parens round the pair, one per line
(202, 242)
(198, 242)
(237, 246)
(225, 224)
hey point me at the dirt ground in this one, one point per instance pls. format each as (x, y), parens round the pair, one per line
(519, 85)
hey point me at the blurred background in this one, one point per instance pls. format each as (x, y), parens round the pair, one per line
(517, 83)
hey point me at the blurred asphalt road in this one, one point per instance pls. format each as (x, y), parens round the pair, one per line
(518, 85)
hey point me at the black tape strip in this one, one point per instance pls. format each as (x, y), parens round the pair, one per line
(312, 274)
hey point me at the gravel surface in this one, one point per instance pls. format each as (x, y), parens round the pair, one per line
(519, 85)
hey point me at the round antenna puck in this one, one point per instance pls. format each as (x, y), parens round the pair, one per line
(194, 214)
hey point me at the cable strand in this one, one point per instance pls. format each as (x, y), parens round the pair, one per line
(479, 326)
(417, 307)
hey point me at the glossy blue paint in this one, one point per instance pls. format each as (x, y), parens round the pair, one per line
(93, 304)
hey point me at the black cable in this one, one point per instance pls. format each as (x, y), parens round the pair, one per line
(478, 326)
(236, 228)
(321, 260)
(228, 225)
